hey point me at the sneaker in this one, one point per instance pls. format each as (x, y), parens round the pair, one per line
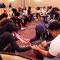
(23, 28)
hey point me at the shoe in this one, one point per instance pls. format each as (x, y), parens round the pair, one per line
(23, 28)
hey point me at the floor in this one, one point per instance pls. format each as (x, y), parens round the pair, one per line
(29, 32)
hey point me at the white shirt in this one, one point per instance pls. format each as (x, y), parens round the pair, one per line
(38, 11)
(25, 12)
(43, 12)
(54, 49)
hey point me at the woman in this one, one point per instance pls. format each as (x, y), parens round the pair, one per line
(7, 40)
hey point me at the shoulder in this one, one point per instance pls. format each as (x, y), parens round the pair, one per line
(57, 39)
(54, 46)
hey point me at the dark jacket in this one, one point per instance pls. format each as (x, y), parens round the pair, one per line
(7, 40)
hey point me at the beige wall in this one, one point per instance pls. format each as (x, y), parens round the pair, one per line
(15, 3)
(45, 3)
(33, 3)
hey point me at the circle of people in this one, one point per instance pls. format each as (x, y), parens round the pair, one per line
(47, 38)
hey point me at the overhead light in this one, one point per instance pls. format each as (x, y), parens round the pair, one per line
(11, 0)
(38, 0)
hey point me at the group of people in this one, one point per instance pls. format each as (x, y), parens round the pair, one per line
(2, 5)
(48, 13)
(49, 37)
(8, 33)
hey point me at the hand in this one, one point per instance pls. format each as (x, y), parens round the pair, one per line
(24, 42)
(27, 41)
(36, 47)
(44, 43)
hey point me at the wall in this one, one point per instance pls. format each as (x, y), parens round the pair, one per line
(15, 3)
(32, 3)
(45, 3)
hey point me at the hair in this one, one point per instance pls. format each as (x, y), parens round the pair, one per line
(5, 21)
(38, 8)
(3, 16)
(17, 14)
(54, 26)
(50, 7)
(29, 8)
(8, 25)
(14, 9)
(11, 27)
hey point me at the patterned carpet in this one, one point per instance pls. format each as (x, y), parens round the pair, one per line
(29, 32)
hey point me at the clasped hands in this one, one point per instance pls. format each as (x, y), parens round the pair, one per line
(42, 45)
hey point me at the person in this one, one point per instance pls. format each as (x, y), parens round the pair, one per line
(29, 12)
(7, 40)
(43, 14)
(25, 11)
(17, 19)
(3, 16)
(54, 49)
(54, 13)
(38, 12)
(3, 5)
(41, 33)
(10, 5)
(14, 10)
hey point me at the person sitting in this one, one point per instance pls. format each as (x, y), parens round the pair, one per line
(42, 36)
(41, 33)
(54, 49)
(3, 16)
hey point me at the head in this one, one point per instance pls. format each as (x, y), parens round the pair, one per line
(40, 28)
(29, 8)
(8, 25)
(54, 28)
(4, 21)
(14, 10)
(3, 16)
(38, 8)
(17, 14)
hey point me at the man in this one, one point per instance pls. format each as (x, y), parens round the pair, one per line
(54, 49)
(42, 35)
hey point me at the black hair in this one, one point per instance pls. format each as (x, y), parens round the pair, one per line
(8, 25)
(3, 16)
(17, 14)
(29, 8)
(54, 26)
(5, 21)
(38, 8)
(11, 27)
(14, 10)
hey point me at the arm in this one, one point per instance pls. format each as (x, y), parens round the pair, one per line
(42, 51)
(17, 36)
(14, 44)
(45, 43)
(54, 48)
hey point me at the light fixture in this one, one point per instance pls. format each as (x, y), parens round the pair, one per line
(38, 0)
(11, 0)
